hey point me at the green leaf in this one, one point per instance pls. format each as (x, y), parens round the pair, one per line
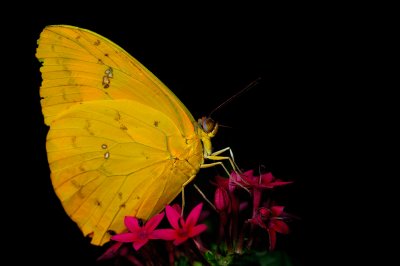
(265, 258)
(216, 259)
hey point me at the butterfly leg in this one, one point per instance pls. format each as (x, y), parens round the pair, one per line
(215, 157)
(224, 150)
(235, 167)
(208, 165)
(183, 192)
(200, 192)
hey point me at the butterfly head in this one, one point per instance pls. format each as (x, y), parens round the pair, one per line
(208, 128)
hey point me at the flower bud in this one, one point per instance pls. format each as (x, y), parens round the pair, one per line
(221, 200)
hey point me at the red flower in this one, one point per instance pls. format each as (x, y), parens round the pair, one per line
(182, 230)
(257, 183)
(263, 181)
(271, 220)
(230, 184)
(221, 200)
(139, 235)
(113, 251)
(248, 180)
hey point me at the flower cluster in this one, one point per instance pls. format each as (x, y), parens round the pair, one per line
(242, 211)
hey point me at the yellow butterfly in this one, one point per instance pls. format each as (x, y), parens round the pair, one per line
(120, 142)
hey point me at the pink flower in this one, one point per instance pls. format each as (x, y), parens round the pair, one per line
(231, 183)
(271, 219)
(139, 235)
(182, 230)
(221, 200)
(262, 181)
(257, 183)
(248, 180)
(113, 251)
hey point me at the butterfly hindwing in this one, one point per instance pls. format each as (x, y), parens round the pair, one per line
(115, 158)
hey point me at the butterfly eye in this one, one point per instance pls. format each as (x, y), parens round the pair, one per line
(208, 124)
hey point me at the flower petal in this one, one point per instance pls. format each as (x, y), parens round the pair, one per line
(138, 244)
(279, 226)
(249, 173)
(267, 178)
(111, 252)
(164, 234)
(177, 207)
(221, 200)
(279, 183)
(277, 210)
(257, 221)
(180, 240)
(222, 181)
(197, 230)
(236, 180)
(131, 223)
(125, 237)
(153, 222)
(172, 216)
(247, 178)
(194, 216)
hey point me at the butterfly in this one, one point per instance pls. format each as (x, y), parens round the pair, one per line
(119, 142)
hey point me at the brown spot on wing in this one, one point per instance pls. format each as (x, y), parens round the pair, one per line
(80, 194)
(117, 116)
(107, 77)
(73, 141)
(76, 184)
(97, 43)
(98, 202)
(106, 82)
(87, 128)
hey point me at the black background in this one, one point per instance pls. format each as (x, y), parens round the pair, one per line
(289, 122)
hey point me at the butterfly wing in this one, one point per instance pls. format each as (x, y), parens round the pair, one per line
(110, 159)
(120, 142)
(80, 65)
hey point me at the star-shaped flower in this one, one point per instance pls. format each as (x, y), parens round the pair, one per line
(182, 230)
(139, 235)
(272, 220)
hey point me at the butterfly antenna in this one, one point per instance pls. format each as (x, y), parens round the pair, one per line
(248, 87)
